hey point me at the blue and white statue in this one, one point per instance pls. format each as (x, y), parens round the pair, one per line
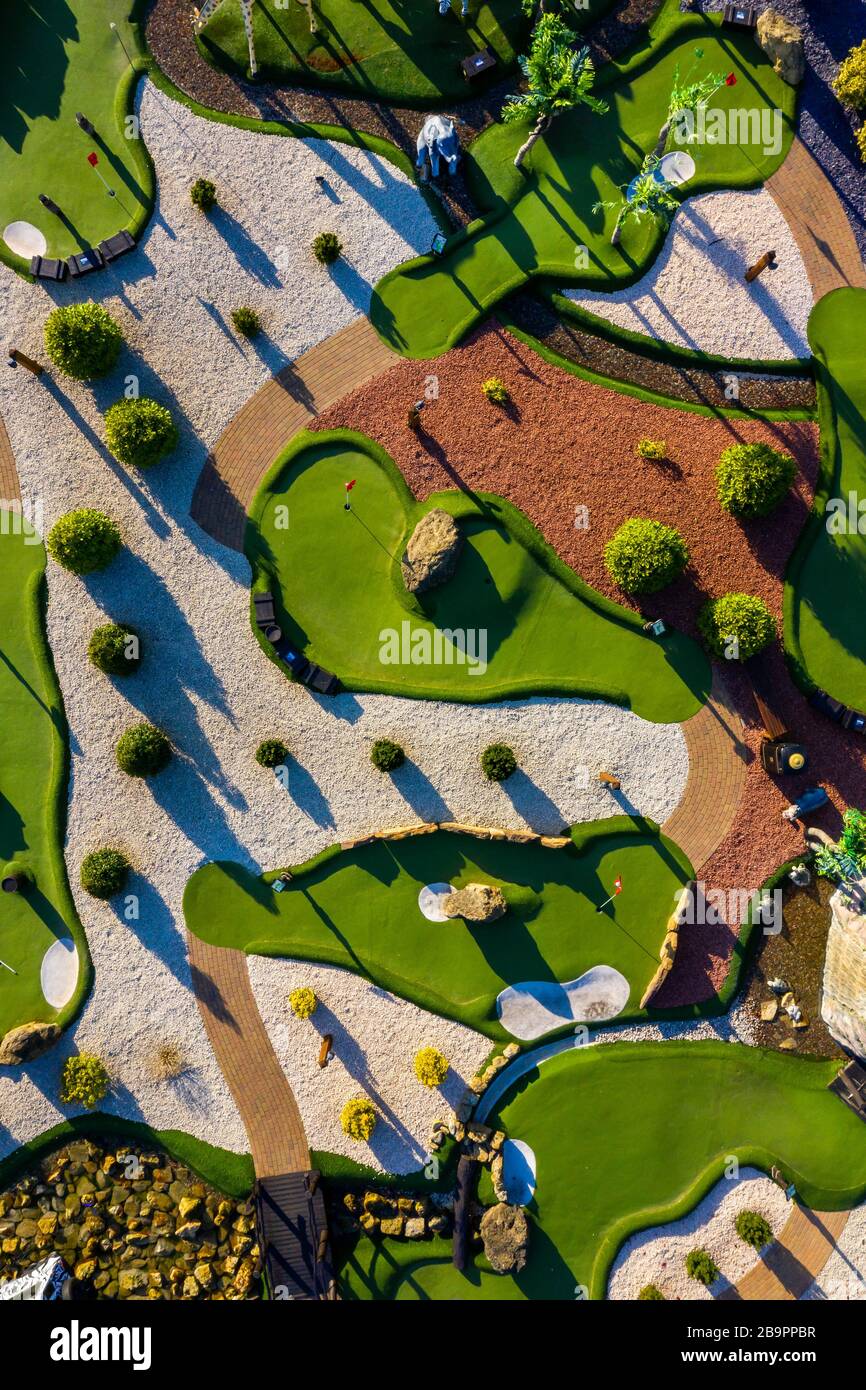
(445, 6)
(437, 138)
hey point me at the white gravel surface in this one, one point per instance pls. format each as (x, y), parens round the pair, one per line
(843, 1277)
(657, 1255)
(204, 678)
(694, 295)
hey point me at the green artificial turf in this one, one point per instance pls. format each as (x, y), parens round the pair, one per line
(399, 50)
(632, 1135)
(336, 579)
(535, 219)
(359, 909)
(33, 754)
(59, 57)
(825, 595)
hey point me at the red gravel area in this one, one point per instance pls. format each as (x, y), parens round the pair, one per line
(564, 443)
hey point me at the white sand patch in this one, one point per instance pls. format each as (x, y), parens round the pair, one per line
(657, 1255)
(24, 239)
(58, 974)
(843, 1277)
(518, 1172)
(430, 901)
(535, 1007)
(695, 296)
(376, 1036)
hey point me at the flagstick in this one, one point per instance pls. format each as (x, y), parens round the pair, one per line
(608, 900)
(8, 967)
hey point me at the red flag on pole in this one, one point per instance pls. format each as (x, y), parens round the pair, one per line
(731, 80)
(350, 485)
(617, 885)
(93, 158)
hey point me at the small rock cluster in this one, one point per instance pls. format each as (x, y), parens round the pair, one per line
(477, 902)
(130, 1223)
(466, 1105)
(394, 1214)
(783, 1004)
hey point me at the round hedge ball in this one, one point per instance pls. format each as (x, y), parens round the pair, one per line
(82, 340)
(104, 873)
(139, 432)
(84, 540)
(114, 649)
(387, 756)
(271, 753)
(498, 762)
(752, 479)
(736, 626)
(143, 751)
(644, 555)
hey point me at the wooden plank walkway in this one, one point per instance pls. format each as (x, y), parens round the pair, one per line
(10, 488)
(284, 405)
(811, 207)
(794, 1260)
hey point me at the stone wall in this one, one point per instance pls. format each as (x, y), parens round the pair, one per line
(843, 1000)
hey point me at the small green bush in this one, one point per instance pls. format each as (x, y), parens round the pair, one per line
(850, 81)
(387, 756)
(82, 340)
(655, 450)
(651, 1293)
(752, 479)
(327, 248)
(700, 1265)
(498, 762)
(271, 753)
(143, 751)
(496, 391)
(84, 1081)
(643, 555)
(247, 321)
(303, 1002)
(139, 432)
(358, 1118)
(114, 649)
(84, 540)
(203, 195)
(736, 623)
(104, 873)
(431, 1066)
(754, 1229)
(861, 142)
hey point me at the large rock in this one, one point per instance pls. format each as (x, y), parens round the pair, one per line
(782, 42)
(843, 993)
(26, 1042)
(505, 1233)
(477, 902)
(432, 553)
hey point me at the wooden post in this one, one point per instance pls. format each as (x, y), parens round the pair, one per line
(325, 1049)
(607, 779)
(754, 270)
(24, 361)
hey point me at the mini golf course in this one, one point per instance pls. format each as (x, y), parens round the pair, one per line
(335, 576)
(359, 909)
(628, 1136)
(826, 582)
(534, 219)
(58, 58)
(32, 794)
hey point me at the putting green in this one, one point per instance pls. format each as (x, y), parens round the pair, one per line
(59, 57)
(825, 594)
(32, 789)
(631, 1135)
(539, 220)
(335, 576)
(359, 909)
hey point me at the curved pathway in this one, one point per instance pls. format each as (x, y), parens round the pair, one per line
(10, 488)
(811, 207)
(794, 1259)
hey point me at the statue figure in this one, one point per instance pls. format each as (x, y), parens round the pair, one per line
(436, 138)
(445, 6)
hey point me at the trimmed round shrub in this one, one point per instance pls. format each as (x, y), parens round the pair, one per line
(84, 540)
(496, 391)
(84, 1081)
(700, 1265)
(203, 195)
(114, 649)
(754, 1229)
(849, 83)
(651, 1293)
(387, 756)
(654, 450)
(246, 321)
(104, 872)
(498, 762)
(358, 1119)
(271, 753)
(327, 248)
(752, 479)
(143, 751)
(82, 340)
(139, 432)
(736, 626)
(431, 1066)
(643, 555)
(302, 1002)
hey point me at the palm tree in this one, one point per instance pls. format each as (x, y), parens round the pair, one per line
(648, 196)
(689, 95)
(558, 77)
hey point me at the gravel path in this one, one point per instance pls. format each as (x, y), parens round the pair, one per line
(844, 1275)
(695, 294)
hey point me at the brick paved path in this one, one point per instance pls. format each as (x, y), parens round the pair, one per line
(10, 489)
(792, 1262)
(811, 207)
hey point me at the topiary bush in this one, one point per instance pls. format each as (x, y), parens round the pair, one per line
(736, 626)
(700, 1265)
(498, 762)
(643, 555)
(84, 540)
(651, 1293)
(431, 1066)
(496, 391)
(114, 649)
(849, 83)
(754, 1229)
(246, 321)
(143, 751)
(203, 195)
(752, 479)
(302, 1002)
(654, 450)
(327, 248)
(82, 340)
(83, 1081)
(386, 756)
(358, 1119)
(271, 753)
(139, 432)
(104, 873)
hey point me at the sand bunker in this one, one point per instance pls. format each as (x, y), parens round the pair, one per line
(535, 1007)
